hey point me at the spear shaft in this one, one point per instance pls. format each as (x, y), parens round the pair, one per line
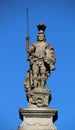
(27, 37)
(28, 43)
(27, 22)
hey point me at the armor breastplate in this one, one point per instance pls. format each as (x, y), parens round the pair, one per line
(40, 50)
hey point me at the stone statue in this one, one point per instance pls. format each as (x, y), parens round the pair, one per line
(42, 60)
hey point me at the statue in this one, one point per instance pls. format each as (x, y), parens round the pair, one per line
(42, 60)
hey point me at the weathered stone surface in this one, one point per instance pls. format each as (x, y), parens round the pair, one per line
(37, 119)
(39, 97)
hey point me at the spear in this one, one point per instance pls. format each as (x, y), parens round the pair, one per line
(27, 37)
(28, 44)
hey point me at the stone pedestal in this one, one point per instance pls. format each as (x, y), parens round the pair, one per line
(37, 119)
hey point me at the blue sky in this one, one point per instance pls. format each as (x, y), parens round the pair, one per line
(59, 17)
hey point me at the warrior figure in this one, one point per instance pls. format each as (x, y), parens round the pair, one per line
(42, 59)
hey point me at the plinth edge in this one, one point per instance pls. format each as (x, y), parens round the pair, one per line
(38, 113)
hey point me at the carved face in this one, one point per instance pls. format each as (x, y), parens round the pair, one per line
(41, 37)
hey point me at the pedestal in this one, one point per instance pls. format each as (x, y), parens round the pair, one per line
(37, 119)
